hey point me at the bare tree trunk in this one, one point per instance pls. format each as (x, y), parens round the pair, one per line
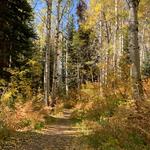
(66, 69)
(134, 50)
(107, 56)
(101, 73)
(116, 39)
(48, 47)
(57, 58)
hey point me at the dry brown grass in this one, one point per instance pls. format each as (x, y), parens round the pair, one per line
(24, 112)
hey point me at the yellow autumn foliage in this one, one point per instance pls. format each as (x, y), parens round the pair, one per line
(7, 96)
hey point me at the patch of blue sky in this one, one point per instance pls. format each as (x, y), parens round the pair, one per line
(38, 5)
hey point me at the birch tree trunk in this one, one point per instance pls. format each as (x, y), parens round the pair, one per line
(47, 59)
(134, 50)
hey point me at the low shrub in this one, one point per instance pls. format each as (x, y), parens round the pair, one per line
(25, 123)
(115, 123)
(4, 131)
(39, 125)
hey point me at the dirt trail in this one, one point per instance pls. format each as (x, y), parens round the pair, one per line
(60, 135)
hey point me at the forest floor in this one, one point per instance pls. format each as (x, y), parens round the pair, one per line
(61, 134)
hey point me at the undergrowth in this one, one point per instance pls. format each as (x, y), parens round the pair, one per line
(113, 122)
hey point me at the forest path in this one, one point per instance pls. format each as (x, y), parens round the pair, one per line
(59, 135)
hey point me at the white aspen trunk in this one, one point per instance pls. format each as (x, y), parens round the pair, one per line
(108, 58)
(10, 61)
(66, 70)
(60, 63)
(47, 57)
(10, 57)
(134, 50)
(66, 55)
(116, 48)
(101, 73)
(91, 72)
(58, 49)
(57, 59)
(121, 45)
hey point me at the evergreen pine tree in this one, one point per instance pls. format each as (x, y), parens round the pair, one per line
(16, 32)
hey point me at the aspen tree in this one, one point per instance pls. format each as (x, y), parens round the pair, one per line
(116, 40)
(47, 57)
(134, 50)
